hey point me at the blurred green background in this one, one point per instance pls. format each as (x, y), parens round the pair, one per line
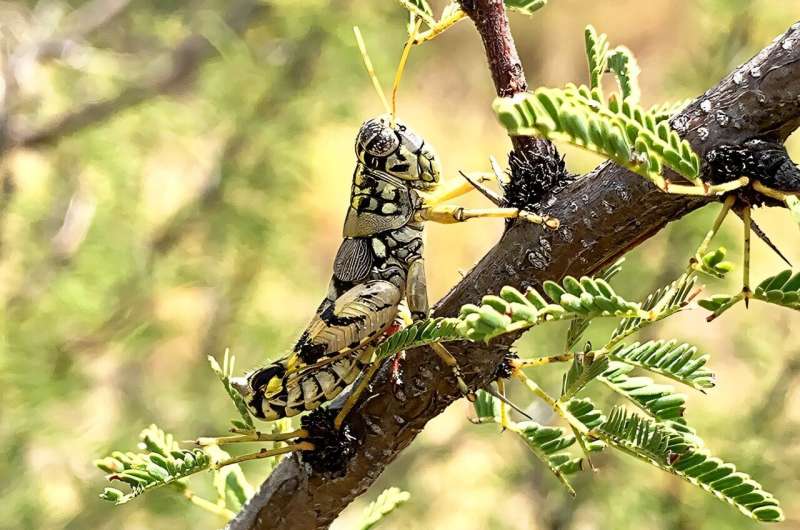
(206, 214)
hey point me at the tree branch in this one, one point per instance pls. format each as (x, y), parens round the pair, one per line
(603, 215)
(501, 54)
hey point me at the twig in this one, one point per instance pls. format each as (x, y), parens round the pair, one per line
(503, 60)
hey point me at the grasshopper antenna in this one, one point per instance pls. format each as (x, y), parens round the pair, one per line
(412, 35)
(371, 71)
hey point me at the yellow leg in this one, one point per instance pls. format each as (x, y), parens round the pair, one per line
(726, 207)
(746, 268)
(449, 214)
(453, 188)
(501, 388)
(703, 190)
(251, 437)
(440, 27)
(770, 192)
(451, 362)
(541, 361)
(366, 377)
(267, 453)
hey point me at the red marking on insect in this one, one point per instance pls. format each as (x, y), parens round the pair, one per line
(392, 329)
(397, 368)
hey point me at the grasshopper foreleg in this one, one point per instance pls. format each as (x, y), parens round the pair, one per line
(449, 214)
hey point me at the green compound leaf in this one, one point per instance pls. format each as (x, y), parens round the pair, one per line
(719, 303)
(584, 368)
(782, 289)
(596, 55)
(670, 451)
(677, 361)
(487, 408)
(659, 401)
(589, 298)
(388, 501)
(662, 303)
(165, 464)
(548, 444)
(713, 264)
(623, 65)
(225, 373)
(578, 326)
(420, 333)
(640, 437)
(526, 7)
(513, 311)
(586, 413)
(664, 111)
(621, 131)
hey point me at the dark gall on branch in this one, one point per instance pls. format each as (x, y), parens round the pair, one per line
(535, 176)
(765, 162)
(333, 448)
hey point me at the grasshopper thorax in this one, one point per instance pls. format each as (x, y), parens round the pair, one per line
(396, 150)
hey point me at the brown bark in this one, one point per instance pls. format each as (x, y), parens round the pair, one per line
(603, 215)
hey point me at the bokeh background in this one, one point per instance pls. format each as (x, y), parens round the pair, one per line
(201, 209)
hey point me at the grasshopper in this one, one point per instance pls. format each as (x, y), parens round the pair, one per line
(378, 282)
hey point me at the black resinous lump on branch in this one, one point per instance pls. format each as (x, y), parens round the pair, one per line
(534, 176)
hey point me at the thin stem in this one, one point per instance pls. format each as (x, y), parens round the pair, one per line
(552, 402)
(251, 437)
(208, 505)
(541, 361)
(501, 388)
(704, 191)
(584, 449)
(733, 301)
(267, 453)
(723, 213)
(773, 193)
(746, 267)
(440, 27)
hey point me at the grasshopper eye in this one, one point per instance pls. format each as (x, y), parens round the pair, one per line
(377, 139)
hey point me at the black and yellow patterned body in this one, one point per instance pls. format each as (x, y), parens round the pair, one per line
(382, 247)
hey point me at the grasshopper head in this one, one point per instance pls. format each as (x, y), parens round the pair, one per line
(398, 151)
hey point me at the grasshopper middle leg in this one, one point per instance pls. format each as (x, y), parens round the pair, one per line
(417, 298)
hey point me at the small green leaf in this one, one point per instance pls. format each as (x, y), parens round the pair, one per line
(421, 8)
(526, 7)
(623, 65)
(388, 501)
